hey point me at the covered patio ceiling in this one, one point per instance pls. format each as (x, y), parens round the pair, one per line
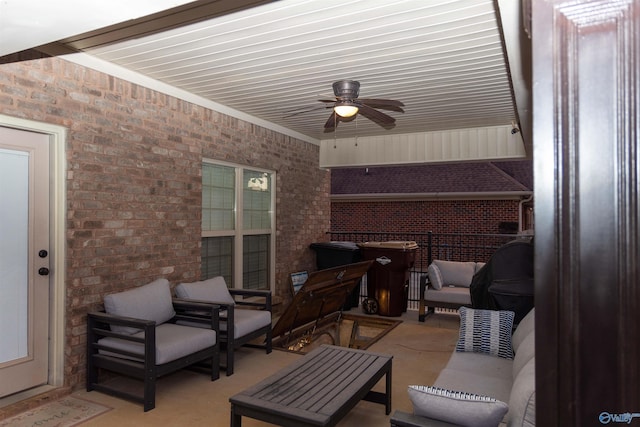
(457, 65)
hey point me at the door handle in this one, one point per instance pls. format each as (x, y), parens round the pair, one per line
(43, 271)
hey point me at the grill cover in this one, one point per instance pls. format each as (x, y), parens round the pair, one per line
(511, 262)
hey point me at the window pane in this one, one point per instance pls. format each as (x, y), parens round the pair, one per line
(217, 258)
(222, 256)
(218, 197)
(255, 262)
(257, 200)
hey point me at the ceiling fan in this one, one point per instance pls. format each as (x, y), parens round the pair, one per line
(347, 105)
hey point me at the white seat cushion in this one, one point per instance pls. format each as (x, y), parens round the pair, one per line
(246, 321)
(480, 363)
(451, 294)
(172, 342)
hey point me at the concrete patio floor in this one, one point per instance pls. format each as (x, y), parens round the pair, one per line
(188, 398)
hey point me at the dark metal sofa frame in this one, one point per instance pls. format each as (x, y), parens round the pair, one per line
(129, 364)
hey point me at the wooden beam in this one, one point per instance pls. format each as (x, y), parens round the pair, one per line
(587, 168)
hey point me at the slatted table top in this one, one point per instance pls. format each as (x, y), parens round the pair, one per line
(317, 390)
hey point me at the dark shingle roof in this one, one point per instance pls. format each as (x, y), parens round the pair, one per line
(485, 177)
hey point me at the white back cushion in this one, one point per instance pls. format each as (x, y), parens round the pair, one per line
(456, 273)
(526, 351)
(148, 302)
(522, 400)
(524, 328)
(211, 290)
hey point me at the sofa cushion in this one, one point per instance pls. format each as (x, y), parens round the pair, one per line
(435, 277)
(148, 302)
(476, 382)
(461, 408)
(172, 342)
(456, 273)
(523, 329)
(522, 402)
(525, 352)
(450, 294)
(211, 290)
(480, 364)
(486, 331)
(247, 320)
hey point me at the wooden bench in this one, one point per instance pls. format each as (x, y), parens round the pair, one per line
(317, 390)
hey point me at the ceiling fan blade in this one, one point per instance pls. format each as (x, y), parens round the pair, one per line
(376, 116)
(332, 123)
(379, 103)
(295, 113)
(384, 107)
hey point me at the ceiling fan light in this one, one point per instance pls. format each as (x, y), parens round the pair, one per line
(345, 109)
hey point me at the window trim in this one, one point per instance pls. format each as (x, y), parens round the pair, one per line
(238, 233)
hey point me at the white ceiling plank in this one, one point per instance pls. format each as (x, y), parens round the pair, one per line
(444, 59)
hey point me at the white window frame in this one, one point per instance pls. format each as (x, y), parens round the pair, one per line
(239, 232)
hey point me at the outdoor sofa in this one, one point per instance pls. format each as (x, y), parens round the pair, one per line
(484, 383)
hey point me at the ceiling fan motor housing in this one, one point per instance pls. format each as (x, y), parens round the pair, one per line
(346, 89)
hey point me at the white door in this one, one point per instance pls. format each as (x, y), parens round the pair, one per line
(24, 260)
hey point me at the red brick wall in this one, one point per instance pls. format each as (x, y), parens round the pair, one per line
(134, 181)
(446, 216)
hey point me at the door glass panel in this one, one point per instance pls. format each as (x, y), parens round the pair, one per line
(14, 215)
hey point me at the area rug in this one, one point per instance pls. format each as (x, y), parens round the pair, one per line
(65, 412)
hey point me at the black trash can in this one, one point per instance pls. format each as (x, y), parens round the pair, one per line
(388, 278)
(514, 295)
(334, 254)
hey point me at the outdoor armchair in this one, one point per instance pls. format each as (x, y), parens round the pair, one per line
(137, 337)
(242, 320)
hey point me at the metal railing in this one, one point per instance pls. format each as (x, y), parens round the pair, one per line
(444, 246)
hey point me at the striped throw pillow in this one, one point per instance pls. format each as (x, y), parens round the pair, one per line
(486, 331)
(457, 407)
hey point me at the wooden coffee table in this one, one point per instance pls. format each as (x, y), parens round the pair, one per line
(317, 390)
